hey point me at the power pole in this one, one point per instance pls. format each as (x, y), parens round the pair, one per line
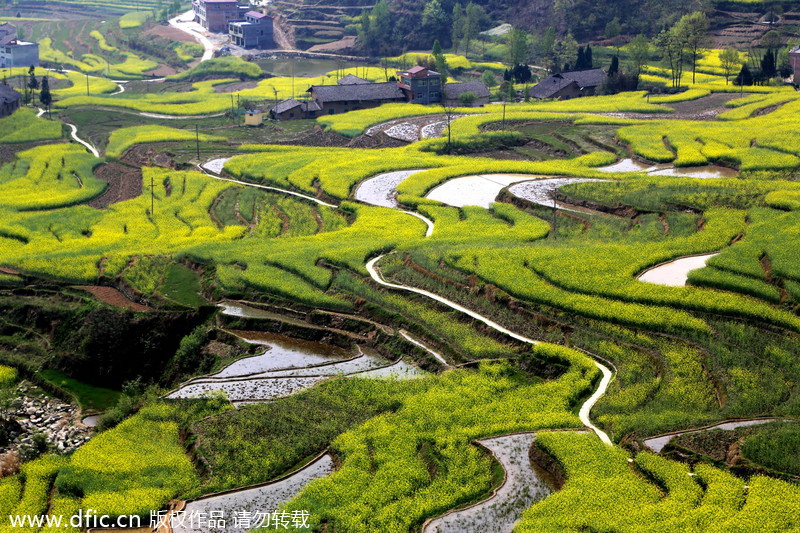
(197, 139)
(555, 220)
(87, 84)
(152, 196)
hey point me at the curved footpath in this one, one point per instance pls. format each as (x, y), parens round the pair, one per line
(186, 24)
(267, 187)
(588, 404)
(218, 164)
(74, 134)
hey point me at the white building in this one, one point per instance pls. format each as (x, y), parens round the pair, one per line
(16, 53)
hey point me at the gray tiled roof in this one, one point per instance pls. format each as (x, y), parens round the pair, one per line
(455, 90)
(8, 95)
(350, 79)
(358, 92)
(586, 78)
(289, 104)
(581, 78)
(286, 105)
(550, 86)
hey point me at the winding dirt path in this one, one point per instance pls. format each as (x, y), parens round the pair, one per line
(185, 23)
(585, 410)
(74, 135)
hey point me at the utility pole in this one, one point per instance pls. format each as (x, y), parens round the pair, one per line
(555, 220)
(87, 84)
(197, 139)
(504, 116)
(152, 196)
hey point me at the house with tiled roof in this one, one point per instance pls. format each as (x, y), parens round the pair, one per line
(569, 84)
(455, 92)
(9, 100)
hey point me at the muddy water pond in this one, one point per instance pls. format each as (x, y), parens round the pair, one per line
(300, 67)
(675, 273)
(381, 190)
(541, 192)
(243, 310)
(263, 499)
(91, 420)
(480, 190)
(661, 169)
(524, 485)
(658, 443)
(281, 353)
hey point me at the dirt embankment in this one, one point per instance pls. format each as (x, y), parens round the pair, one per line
(112, 296)
(124, 183)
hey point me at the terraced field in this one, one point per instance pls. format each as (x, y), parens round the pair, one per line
(490, 341)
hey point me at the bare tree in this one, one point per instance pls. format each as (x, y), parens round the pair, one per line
(730, 60)
(449, 112)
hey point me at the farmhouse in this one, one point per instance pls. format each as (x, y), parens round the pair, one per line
(352, 92)
(215, 15)
(569, 84)
(456, 93)
(292, 109)
(422, 86)
(9, 100)
(14, 52)
(255, 31)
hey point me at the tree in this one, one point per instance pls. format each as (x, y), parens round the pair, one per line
(744, 77)
(449, 112)
(769, 67)
(457, 32)
(613, 28)
(639, 52)
(771, 40)
(614, 67)
(580, 62)
(44, 95)
(434, 19)
(440, 62)
(588, 62)
(488, 79)
(467, 99)
(33, 83)
(672, 44)
(564, 51)
(694, 29)
(729, 59)
(474, 17)
(518, 47)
